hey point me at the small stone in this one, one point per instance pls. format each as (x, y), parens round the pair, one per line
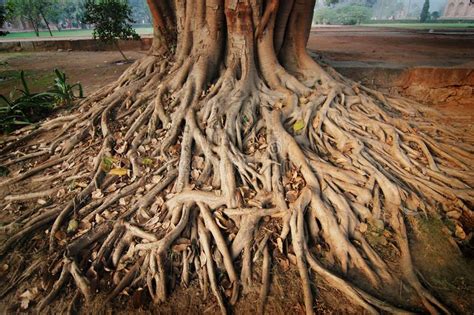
(363, 227)
(460, 232)
(454, 214)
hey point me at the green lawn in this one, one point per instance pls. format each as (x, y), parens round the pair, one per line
(424, 26)
(68, 33)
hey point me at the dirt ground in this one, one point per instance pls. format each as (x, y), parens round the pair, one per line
(92, 69)
(441, 264)
(393, 48)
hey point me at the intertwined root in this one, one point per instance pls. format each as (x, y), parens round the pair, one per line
(228, 174)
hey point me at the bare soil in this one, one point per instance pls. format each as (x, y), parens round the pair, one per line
(436, 255)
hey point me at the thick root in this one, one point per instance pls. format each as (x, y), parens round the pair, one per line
(310, 167)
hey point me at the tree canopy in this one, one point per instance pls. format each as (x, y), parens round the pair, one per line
(112, 20)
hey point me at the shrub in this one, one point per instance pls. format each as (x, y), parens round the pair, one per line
(112, 20)
(29, 107)
(346, 15)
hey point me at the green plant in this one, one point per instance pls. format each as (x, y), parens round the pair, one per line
(63, 92)
(347, 15)
(112, 20)
(3, 13)
(435, 15)
(30, 107)
(425, 12)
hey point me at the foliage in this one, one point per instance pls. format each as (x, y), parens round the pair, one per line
(347, 15)
(435, 15)
(63, 92)
(140, 11)
(425, 12)
(3, 13)
(24, 10)
(38, 12)
(112, 20)
(30, 107)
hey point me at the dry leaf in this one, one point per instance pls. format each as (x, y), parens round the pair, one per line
(97, 194)
(72, 226)
(298, 126)
(147, 161)
(280, 245)
(28, 296)
(99, 219)
(292, 196)
(363, 227)
(60, 235)
(195, 174)
(118, 171)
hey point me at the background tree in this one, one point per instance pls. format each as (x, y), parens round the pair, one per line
(223, 149)
(140, 11)
(3, 19)
(25, 10)
(112, 20)
(35, 12)
(47, 9)
(425, 12)
(435, 15)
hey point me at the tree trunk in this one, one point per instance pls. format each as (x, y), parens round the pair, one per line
(117, 45)
(34, 24)
(47, 24)
(229, 142)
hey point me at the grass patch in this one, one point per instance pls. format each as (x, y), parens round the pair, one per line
(38, 80)
(424, 26)
(67, 33)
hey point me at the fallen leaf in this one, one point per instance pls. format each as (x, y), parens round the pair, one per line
(99, 219)
(119, 171)
(60, 235)
(97, 194)
(298, 126)
(195, 174)
(147, 161)
(292, 196)
(108, 162)
(72, 226)
(280, 245)
(28, 296)
(122, 201)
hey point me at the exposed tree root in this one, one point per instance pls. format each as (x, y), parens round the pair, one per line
(223, 171)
